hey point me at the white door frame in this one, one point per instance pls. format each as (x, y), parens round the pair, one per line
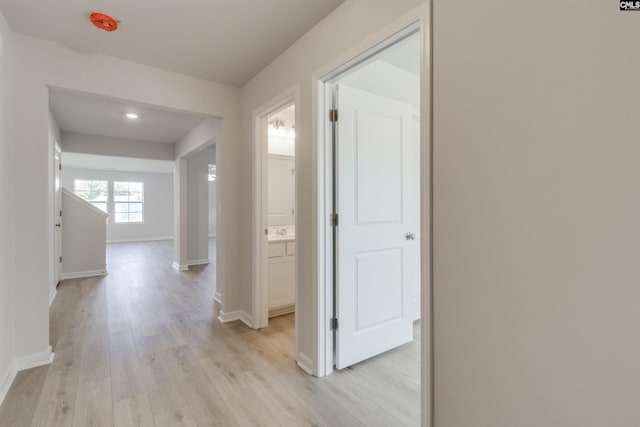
(419, 19)
(260, 303)
(57, 264)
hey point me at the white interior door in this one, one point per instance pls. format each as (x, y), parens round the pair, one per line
(57, 213)
(377, 238)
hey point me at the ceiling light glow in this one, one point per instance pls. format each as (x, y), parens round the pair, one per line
(131, 116)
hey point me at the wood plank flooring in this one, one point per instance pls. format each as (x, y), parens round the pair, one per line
(142, 347)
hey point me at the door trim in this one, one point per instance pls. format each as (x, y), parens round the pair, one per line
(418, 19)
(260, 303)
(57, 241)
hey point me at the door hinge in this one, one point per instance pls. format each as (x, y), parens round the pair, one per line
(334, 219)
(333, 115)
(59, 166)
(60, 212)
(60, 259)
(293, 171)
(333, 324)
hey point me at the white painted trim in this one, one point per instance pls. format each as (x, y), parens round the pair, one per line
(427, 394)
(260, 303)
(242, 315)
(305, 363)
(52, 296)
(217, 297)
(198, 262)
(34, 360)
(180, 267)
(6, 381)
(324, 255)
(83, 274)
(418, 18)
(212, 235)
(82, 202)
(279, 311)
(141, 239)
(20, 364)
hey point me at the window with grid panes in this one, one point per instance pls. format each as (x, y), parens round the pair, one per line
(95, 192)
(128, 202)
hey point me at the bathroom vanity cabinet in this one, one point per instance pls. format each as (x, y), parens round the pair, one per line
(282, 270)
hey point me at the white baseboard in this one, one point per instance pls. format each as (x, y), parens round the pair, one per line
(180, 267)
(198, 262)
(279, 311)
(52, 296)
(34, 360)
(6, 380)
(20, 364)
(305, 363)
(83, 274)
(140, 239)
(242, 315)
(217, 297)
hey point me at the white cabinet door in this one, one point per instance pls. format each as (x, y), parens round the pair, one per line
(376, 203)
(281, 190)
(282, 291)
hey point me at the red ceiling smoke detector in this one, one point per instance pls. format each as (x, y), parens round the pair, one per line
(103, 21)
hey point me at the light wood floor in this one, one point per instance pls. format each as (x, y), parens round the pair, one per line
(142, 347)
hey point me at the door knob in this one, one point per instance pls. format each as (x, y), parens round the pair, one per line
(410, 236)
(58, 225)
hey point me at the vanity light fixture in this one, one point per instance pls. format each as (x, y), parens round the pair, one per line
(281, 127)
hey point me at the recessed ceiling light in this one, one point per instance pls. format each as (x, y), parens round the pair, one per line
(131, 116)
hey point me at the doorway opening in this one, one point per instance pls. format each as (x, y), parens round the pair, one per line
(374, 213)
(277, 217)
(376, 203)
(118, 188)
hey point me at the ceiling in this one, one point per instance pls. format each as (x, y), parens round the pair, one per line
(404, 54)
(90, 161)
(393, 73)
(103, 116)
(227, 41)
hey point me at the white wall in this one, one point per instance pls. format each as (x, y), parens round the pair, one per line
(7, 283)
(347, 26)
(281, 145)
(537, 207)
(198, 205)
(104, 146)
(188, 244)
(84, 236)
(39, 64)
(212, 209)
(375, 78)
(158, 203)
(213, 203)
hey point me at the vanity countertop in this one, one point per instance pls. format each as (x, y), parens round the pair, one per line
(281, 238)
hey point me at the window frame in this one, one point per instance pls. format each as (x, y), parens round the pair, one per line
(93, 203)
(115, 202)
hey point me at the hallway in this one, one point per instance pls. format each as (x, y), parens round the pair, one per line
(142, 347)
